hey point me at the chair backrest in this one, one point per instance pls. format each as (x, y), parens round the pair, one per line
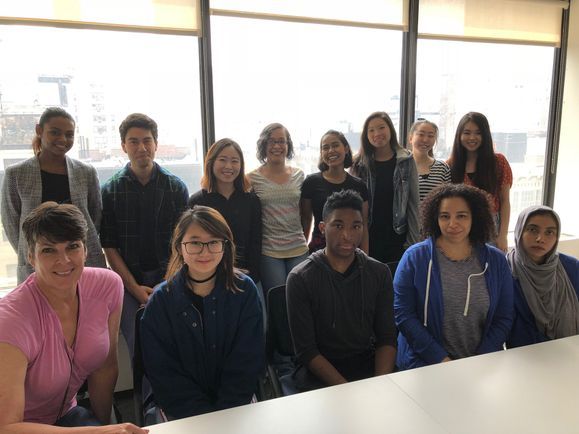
(278, 335)
(138, 370)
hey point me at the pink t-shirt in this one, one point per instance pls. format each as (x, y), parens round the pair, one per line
(28, 322)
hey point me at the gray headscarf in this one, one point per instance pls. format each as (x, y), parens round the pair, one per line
(547, 288)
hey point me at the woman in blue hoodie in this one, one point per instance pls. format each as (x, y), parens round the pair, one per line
(453, 293)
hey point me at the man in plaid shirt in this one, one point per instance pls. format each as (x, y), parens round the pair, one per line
(141, 205)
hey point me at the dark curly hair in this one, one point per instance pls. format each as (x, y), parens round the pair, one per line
(264, 137)
(483, 225)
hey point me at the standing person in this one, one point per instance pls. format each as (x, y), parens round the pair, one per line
(51, 176)
(141, 205)
(335, 157)
(546, 282)
(57, 329)
(453, 293)
(431, 172)
(390, 175)
(474, 162)
(278, 187)
(340, 304)
(226, 189)
(202, 331)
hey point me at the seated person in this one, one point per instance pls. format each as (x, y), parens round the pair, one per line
(453, 293)
(202, 330)
(546, 283)
(58, 329)
(340, 304)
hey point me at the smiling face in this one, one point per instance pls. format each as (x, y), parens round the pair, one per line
(201, 265)
(227, 166)
(58, 266)
(471, 137)
(56, 136)
(539, 237)
(276, 151)
(379, 133)
(140, 147)
(454, 220)
(423, 138)
(332, 151)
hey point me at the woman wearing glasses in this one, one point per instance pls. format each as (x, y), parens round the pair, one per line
(278, 187)
(202, 329)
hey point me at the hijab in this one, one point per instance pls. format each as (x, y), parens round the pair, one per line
(546, 287)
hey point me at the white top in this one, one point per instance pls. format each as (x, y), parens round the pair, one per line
(283, 235)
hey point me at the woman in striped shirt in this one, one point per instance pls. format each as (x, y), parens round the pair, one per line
(431, 172)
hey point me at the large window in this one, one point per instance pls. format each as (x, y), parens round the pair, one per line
(99, 77)
(309, 77)
(510, 84)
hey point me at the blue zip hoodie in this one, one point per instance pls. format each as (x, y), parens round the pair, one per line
(419, 310)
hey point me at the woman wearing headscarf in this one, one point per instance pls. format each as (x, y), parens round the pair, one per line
(546, 282)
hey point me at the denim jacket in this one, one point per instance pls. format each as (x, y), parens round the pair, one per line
(405, 203)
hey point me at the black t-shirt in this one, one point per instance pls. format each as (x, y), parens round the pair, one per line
(385, 244)
(317, 189)
(55, 187)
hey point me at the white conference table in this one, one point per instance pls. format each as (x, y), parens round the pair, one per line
(527, 390)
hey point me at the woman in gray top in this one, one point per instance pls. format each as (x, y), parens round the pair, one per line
(50, 175)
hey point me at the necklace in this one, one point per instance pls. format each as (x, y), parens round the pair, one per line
(190, 279)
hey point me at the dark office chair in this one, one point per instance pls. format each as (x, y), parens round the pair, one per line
(278, 343)
(146, 412)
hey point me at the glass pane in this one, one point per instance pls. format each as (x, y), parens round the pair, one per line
(99, 77)
(308, 77)
(510, 84)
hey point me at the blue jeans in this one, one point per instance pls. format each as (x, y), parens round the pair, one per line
(78, 416)
(274, 271)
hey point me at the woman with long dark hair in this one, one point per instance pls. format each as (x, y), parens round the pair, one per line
(202, 330)
(390, 175)
(474, 161)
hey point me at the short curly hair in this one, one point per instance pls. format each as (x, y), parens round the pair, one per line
(483, 227)
(264, 137)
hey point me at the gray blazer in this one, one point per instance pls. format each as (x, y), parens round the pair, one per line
(22, 192)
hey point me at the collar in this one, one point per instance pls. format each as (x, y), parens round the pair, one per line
(179, 290)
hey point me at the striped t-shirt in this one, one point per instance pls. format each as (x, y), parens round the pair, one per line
(283, 235)
(439, 174)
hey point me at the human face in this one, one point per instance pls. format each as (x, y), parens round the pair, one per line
(276, 150)
(454, 220)
(471, 137)
(343, 230)
(227, 165)
(423, 139)
(201, 265)
(140, 146)
(539, 237)
(378, 133)
(333, 151)
(58, 266)
(56, 136)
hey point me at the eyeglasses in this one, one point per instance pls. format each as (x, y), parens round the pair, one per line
(276, 141)
(196, 247)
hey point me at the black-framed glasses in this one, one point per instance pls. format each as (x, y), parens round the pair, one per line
(196, 247)
(276, 142)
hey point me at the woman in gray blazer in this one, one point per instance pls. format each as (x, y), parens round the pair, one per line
(51, 176)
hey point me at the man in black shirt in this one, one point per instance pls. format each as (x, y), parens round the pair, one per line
(340, 304)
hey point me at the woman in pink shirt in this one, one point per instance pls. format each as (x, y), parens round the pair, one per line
(58, 329)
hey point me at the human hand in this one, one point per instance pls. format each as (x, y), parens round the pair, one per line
(142, 293)
(446, 359)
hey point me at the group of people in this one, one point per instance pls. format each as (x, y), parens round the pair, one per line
(201, 265)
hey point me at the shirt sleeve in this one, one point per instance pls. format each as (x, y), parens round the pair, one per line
(11, 207)
(505, 172)
(307, 188)
(301, 319)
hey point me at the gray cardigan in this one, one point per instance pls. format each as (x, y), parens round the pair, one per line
(22, 192)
